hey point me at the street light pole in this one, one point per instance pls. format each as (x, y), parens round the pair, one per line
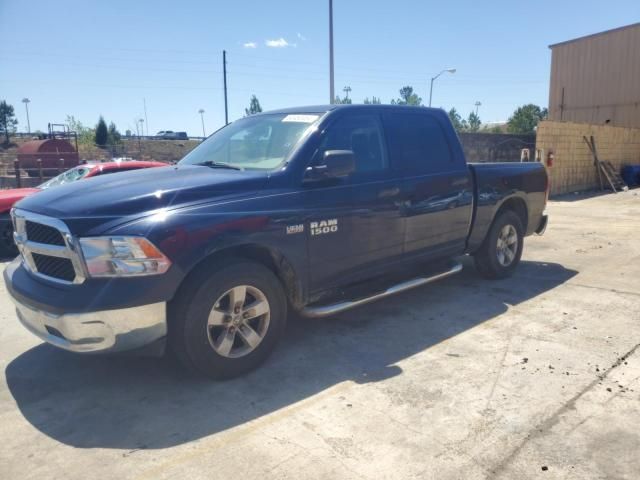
(26, 101)
(346, 91)
(332, 96)
(449, 70)
(201, 112)
(477, 104)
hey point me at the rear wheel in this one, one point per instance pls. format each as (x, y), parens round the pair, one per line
(226, 323)
(501, 250)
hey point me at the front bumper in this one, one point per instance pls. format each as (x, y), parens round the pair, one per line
(103, 331)
(108, 331)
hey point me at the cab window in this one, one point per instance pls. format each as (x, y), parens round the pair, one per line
(417, 142)
(362, 134)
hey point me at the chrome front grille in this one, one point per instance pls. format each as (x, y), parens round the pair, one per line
(47, 247)
(38, 232)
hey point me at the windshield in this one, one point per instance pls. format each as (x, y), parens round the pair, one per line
(69, 176)
(261, 142)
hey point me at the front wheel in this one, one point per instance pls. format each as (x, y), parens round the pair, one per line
(501, 250)
(226, 323)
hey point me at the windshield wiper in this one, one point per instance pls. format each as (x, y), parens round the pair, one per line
(212, 164)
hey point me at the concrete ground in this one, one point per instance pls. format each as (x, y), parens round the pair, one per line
(536, 376)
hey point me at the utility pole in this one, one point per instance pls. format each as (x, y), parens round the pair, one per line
(477, 104)
(346, 91)
(332, 95)
(146, 120)
(224, 74)
(26, 101)
(201, 112)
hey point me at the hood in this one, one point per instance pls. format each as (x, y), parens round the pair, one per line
(9, 197)
(141, 191)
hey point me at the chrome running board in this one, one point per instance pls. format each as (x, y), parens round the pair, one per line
(332, 309)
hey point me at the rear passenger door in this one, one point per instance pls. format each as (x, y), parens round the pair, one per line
(355, 222)
(437, 184)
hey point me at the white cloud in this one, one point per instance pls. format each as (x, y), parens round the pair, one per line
(250, 45)
(301, 37)
(279, 43)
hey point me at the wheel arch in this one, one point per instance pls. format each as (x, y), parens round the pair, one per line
(269, 257)
(517, 205)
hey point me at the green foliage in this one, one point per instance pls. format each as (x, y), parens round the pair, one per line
(495, 129)
(342, 101)
(407, 97)
(526, 118)
(8, 120)
(474, 122)
(374, 101)
(102, 133)
(457, 121)
(85, 134)
(254, 106)
(113, 135)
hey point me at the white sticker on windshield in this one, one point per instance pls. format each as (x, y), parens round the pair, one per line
(300, 118)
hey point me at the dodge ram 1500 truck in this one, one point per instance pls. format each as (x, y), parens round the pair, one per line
(316, 209)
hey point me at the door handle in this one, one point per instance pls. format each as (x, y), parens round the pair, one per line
(389, 192)
(459, 182)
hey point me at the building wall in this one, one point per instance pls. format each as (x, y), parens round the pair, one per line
(600, 75)
(573, 166)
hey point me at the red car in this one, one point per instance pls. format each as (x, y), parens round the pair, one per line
(9, 197)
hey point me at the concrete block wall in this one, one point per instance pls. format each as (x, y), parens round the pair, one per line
(573, 168)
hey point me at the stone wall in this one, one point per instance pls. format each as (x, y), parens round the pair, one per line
(495, 147)
(573, 167)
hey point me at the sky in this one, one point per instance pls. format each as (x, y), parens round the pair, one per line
(90, 58)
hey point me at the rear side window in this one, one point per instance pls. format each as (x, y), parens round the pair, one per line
(417, 143)
(361, 134)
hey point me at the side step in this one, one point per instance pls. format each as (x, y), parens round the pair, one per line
(332, 309)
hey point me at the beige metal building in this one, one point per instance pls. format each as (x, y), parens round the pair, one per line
(596, 79)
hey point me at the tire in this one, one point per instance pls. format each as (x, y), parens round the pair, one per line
(8, 248)
(498, 256)
(209, 335)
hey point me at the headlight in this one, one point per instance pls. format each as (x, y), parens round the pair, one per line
(122, 257)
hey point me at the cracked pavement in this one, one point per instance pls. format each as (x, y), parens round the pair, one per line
(537, 376)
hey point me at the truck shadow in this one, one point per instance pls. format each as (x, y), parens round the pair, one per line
(135, 403)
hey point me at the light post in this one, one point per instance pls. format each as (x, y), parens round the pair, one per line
(201, 112)
(346, 91)
(477, 104)
(332, 97)
(449, 70)
(26, 102)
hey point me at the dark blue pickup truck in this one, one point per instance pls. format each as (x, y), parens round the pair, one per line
(315, 209)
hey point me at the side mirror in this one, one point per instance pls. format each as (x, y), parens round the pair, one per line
(334, 164)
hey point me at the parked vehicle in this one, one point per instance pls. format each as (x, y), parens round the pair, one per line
(297, 208)
(9, 197)
(171, 135)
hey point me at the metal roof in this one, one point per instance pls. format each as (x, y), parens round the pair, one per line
(606, 32)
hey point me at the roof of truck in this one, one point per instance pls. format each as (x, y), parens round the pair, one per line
(326, 108)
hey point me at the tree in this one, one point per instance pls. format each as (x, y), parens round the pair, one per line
(407, 97)
(86, 135)
(113, 135)
(342, 101)
(8, 120)
(254, 106)
(526, 118)
(102, 133)
(374, 101)
(457, 121)
(474, 122)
